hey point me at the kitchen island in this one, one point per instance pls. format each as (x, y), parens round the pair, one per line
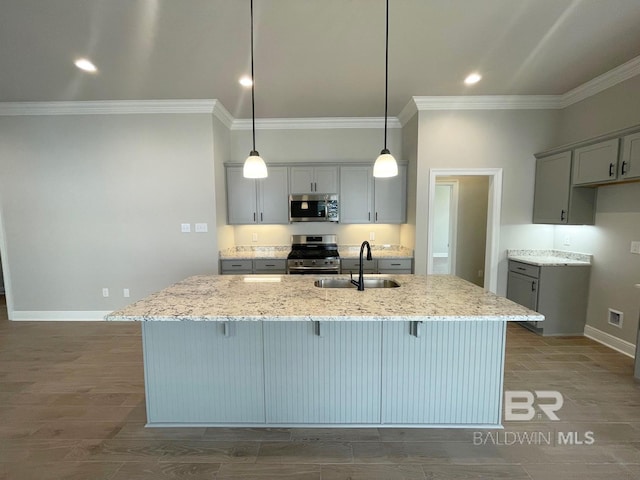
(279, 351)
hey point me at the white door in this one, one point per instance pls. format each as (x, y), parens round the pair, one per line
(444, 234)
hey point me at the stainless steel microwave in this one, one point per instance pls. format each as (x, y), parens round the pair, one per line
(313, 208)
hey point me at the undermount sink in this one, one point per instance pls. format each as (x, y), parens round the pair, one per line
(346, 283)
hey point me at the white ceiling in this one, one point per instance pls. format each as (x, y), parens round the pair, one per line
(313, 58)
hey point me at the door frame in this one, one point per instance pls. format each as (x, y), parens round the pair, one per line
(493, 218)
(453, 221)
(8, 294)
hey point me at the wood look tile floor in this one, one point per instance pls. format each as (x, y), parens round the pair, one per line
(72, 407)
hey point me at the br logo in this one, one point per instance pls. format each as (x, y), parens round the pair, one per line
(519, 404)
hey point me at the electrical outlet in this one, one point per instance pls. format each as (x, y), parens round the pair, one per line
(202, 228)
(125, 293)
(635, 248)
(372, 236)
(254, 237)
(567, 240)
(185, 227)
(480, 273)
(105, 292)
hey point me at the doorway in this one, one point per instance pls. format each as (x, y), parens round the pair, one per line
(445, 226)
(489, 275)
(5, 291)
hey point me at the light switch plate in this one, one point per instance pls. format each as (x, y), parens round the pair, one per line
(185, 227)
(635, 248)
(254, 237)
(201, 228)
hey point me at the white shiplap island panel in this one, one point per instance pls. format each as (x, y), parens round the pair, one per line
(239, 350)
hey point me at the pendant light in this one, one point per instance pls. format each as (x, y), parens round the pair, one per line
(386, 165)
(254, 166)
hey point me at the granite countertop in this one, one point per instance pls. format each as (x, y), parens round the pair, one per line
(295, 298)
(345, 251)
(550, 258)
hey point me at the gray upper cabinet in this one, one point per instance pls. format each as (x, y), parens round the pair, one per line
(555, 200)
(356, 194)
(257, 201)
(630, 161)
(596, 163)
(314, 179)
(365, 199)
(390, 198)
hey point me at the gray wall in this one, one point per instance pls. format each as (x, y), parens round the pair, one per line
(97, 201)
(1, 277)
(615, 269)
(410, 153)
(504, 139)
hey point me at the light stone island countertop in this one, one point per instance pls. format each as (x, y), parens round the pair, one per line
(280, 252)
(295, 298)
(550, 258)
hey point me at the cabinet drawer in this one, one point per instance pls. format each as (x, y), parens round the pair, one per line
(394, 264)
(239, 266)
(524, 269)
(278, 265)
(353, 264)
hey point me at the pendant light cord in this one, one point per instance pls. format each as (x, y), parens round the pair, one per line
(386, 75)
(253, 103)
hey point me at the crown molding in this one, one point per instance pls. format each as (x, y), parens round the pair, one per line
(488, 102)
(106, 107)
(222, 114)
(599, 84)
(407, 113)
(315, 123)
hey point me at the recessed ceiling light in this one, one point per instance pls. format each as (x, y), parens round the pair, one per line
(86, 65)
(473, 78)
(245, 81)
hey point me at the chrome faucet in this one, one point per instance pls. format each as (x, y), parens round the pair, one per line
(360, 282)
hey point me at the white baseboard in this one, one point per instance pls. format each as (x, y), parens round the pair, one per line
(58, 316)
(622, 346)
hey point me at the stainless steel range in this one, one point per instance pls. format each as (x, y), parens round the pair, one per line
(313, 254)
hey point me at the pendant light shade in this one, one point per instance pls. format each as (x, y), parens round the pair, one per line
(386, 165)
(254, 166)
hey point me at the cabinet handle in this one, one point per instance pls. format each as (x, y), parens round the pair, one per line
(611, 172)
(415, 329)
(261, 216)
(396, 264)
(269, 265)
(624, 170)
(369, 216)
(226, 329)
(235, 265)
(316, 329)
(521, 268)
(254, 216)
(376, 216)
(315, 187)
(533, 286)
(562, 215)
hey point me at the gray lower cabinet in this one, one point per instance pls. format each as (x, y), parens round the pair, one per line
(418, 389)
(322, 372)
(395, 265)
(236, 267)
(558, 292)
(218, 378)
(352, 265)
(555, 200)
(276, 266)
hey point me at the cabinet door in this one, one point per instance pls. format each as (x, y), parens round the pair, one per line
(630, 164)
(241, 198)
(301, 180)
(356, 194)
(596, 163)
(523, 290)
(551, 195)
(326, 179)
(390, 198)
(450, 374)
(273, 197)
(224, 384)
(322, 377)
